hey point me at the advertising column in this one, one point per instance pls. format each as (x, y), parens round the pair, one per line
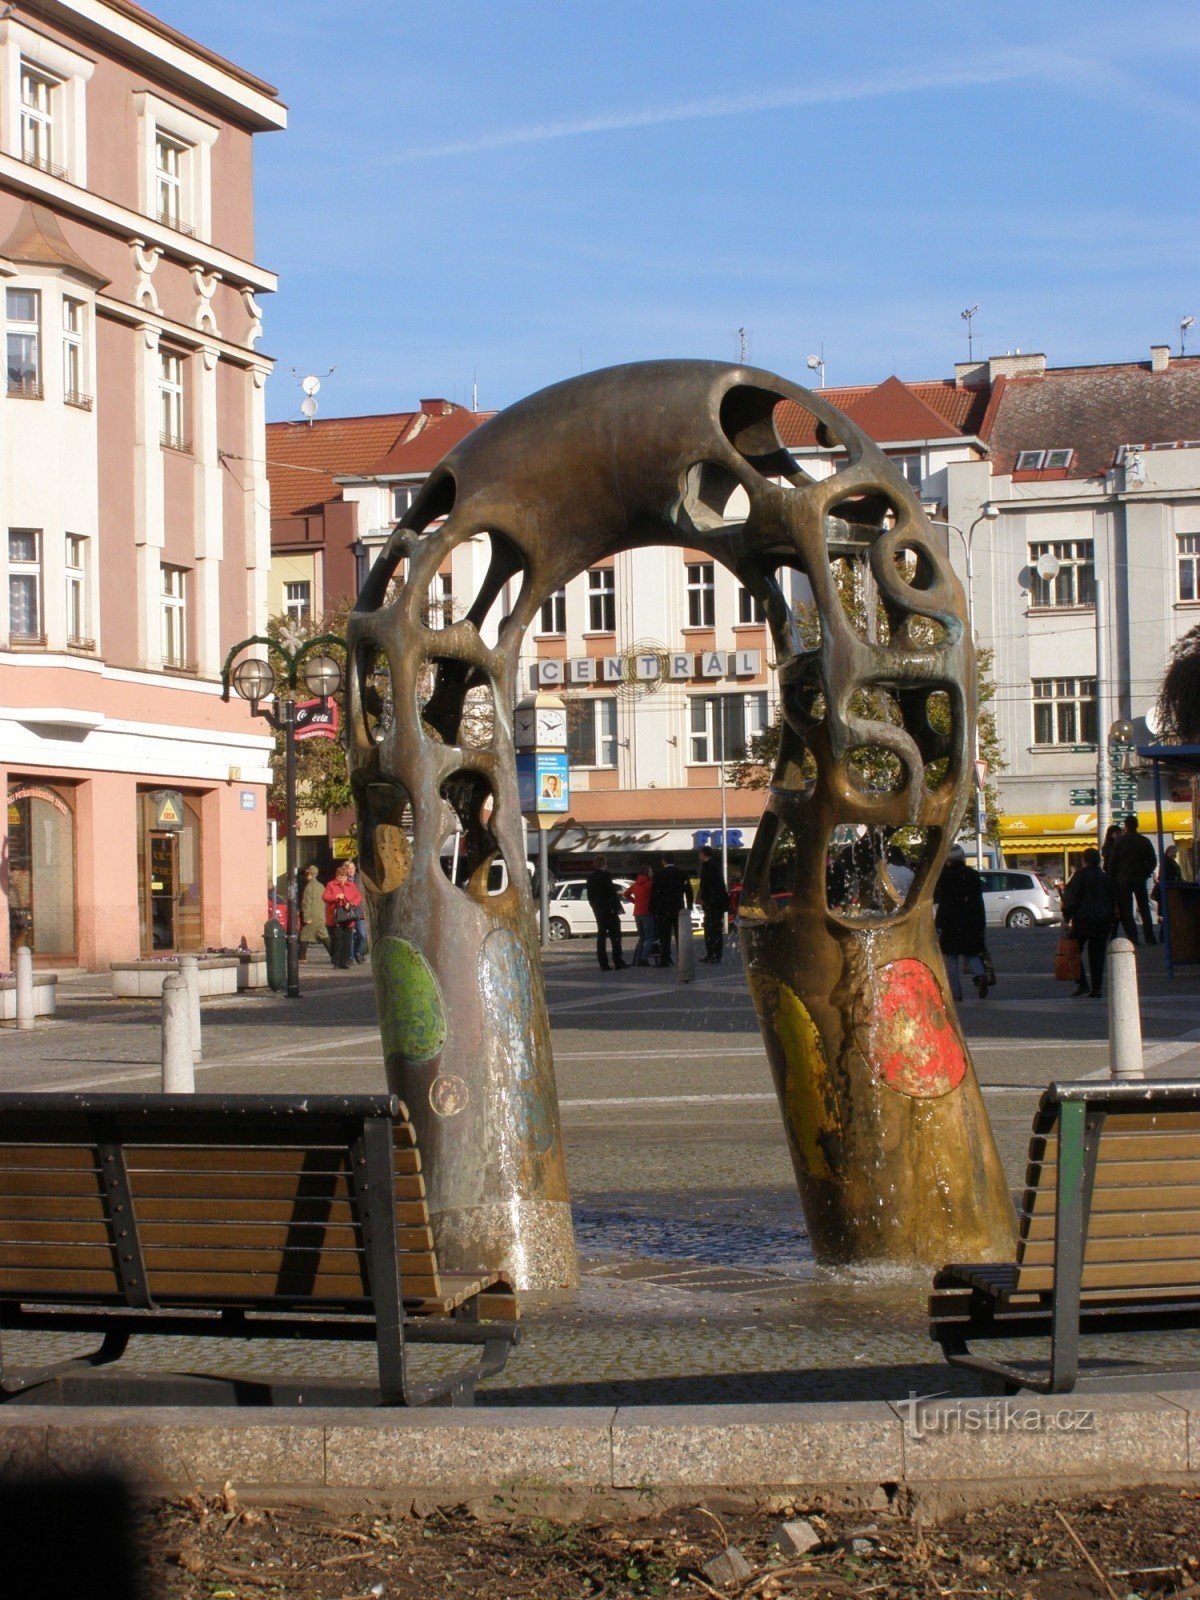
(543, 779)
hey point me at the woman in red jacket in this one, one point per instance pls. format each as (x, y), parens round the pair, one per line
(343, 907)
(638, 893)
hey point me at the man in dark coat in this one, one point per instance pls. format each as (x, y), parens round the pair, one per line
(961, 921)
(1088, 906)
(670, 893)
(713, 897)
(1134, 859)
(606, 908)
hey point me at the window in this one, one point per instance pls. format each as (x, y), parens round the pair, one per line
(171, 407)
(171, 165)
(1064, 711)
(554, 613)
(23, 309)
(74, 385)
(592, 732)
(39, 102)
(1074, 584)
(1029, 460)
(174, 616)
(297, 601)
(76, 580)
(1058, 460)
(910, 466)
(702, 595)
(602, 600)
(1189, 565)
(403, 495)
(439, 603)
(722, 725)
(750, 607)
(25, 584)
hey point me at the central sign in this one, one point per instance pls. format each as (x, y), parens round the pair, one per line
(677, 666)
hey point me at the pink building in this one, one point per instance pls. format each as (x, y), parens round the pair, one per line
(134, 523)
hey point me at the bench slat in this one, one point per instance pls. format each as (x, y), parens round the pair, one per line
(1161, 1247)
(235, 1234)
(1140, 1224)
(87, 1208)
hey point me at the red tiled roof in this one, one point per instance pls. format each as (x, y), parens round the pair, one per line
(429, 437)
(302, 458)
(892, 410)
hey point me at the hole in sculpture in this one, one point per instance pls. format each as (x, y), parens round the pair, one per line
(874, 769)
(497, 594)
(708, 489)
(385, 828)
(458, 703)
(376, 697)
(857, 595)
(915, 567)
(473, 846)
(872, 873)
(748, 422)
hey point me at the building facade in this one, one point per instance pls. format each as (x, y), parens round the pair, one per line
(134, 534)
(664, 659)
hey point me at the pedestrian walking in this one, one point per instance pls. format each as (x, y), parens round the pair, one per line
(1169, 872)
(342, 898)
(358, 948)
(671, 891)
(606, 908)
(961, 922)
(713, 898)
(312, 914)
(638, 895)
(1134, 859)
(1112, 837)
(1088, 905)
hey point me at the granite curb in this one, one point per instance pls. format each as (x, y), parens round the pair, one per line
(1066, 1443)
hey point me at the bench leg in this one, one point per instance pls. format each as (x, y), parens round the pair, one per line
(112, 1348)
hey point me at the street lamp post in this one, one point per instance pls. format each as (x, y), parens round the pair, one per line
(988, 513)
(255, 680)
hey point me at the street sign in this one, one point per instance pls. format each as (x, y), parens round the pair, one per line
(1083, 797)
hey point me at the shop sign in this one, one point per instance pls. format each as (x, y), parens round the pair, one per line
(316, 719)
(652, 666)
(168, 808)
(249, 800)
(343, 847)
(543, 781)
(713, 837)
(34, 791)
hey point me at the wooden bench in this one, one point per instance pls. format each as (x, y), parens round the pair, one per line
(1109, 1236)
(237, 1216)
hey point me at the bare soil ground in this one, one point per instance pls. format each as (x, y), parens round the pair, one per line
(1111, 1546)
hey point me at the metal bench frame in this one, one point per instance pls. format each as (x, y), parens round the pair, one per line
(1079, 1111)
(363, 1126)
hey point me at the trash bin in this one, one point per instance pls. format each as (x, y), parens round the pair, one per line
(1183, 922)
(276, 942)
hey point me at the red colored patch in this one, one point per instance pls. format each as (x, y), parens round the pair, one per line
(907, 1038)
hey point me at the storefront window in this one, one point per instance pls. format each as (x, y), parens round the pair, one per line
(41, 870)
(169, 843)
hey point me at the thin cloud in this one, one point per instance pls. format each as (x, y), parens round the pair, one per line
(1007, 67)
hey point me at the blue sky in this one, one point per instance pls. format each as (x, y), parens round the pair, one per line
(505, 193)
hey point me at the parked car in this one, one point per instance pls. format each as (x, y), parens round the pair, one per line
(571, 916)
(1019, 900)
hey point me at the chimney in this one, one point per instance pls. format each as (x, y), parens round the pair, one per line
(1160, 357)
(436, 408)
(970, 374)
(1015, 365)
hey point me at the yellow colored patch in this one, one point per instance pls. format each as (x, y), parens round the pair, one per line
(393, 853)
(810, 1103)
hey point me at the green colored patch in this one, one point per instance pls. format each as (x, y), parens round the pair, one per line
(412, 1017)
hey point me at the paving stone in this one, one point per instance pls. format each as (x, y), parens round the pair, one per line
(729, 1567)
(796, 1538)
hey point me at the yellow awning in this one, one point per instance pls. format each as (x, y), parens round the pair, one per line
(1076, 830)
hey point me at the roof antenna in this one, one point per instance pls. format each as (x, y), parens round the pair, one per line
(1184, 324)
(474, 388)
(817, 364)
(968, 316)
(312, 387)
(743, 345)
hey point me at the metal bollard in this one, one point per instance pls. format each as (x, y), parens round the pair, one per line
(189, 969)
(178, 1074)
(1124, 1016)
(685, 969)
(23, 966)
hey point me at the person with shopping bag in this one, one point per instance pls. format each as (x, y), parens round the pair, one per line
(1089, 905)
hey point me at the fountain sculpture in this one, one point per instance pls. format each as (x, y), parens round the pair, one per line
(892, 1149)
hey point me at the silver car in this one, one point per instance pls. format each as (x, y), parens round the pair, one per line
(1013, 899)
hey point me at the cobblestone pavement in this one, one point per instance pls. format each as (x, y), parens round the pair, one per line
(698, 1284)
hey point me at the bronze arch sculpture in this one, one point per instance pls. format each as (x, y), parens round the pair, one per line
(891, 1145)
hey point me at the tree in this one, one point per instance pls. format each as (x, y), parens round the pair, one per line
(1179, 696)
(322, 781)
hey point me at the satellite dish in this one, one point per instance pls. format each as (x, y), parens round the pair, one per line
(1150, 718)
(310, 385)
(1047, 567)
(308, 407)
